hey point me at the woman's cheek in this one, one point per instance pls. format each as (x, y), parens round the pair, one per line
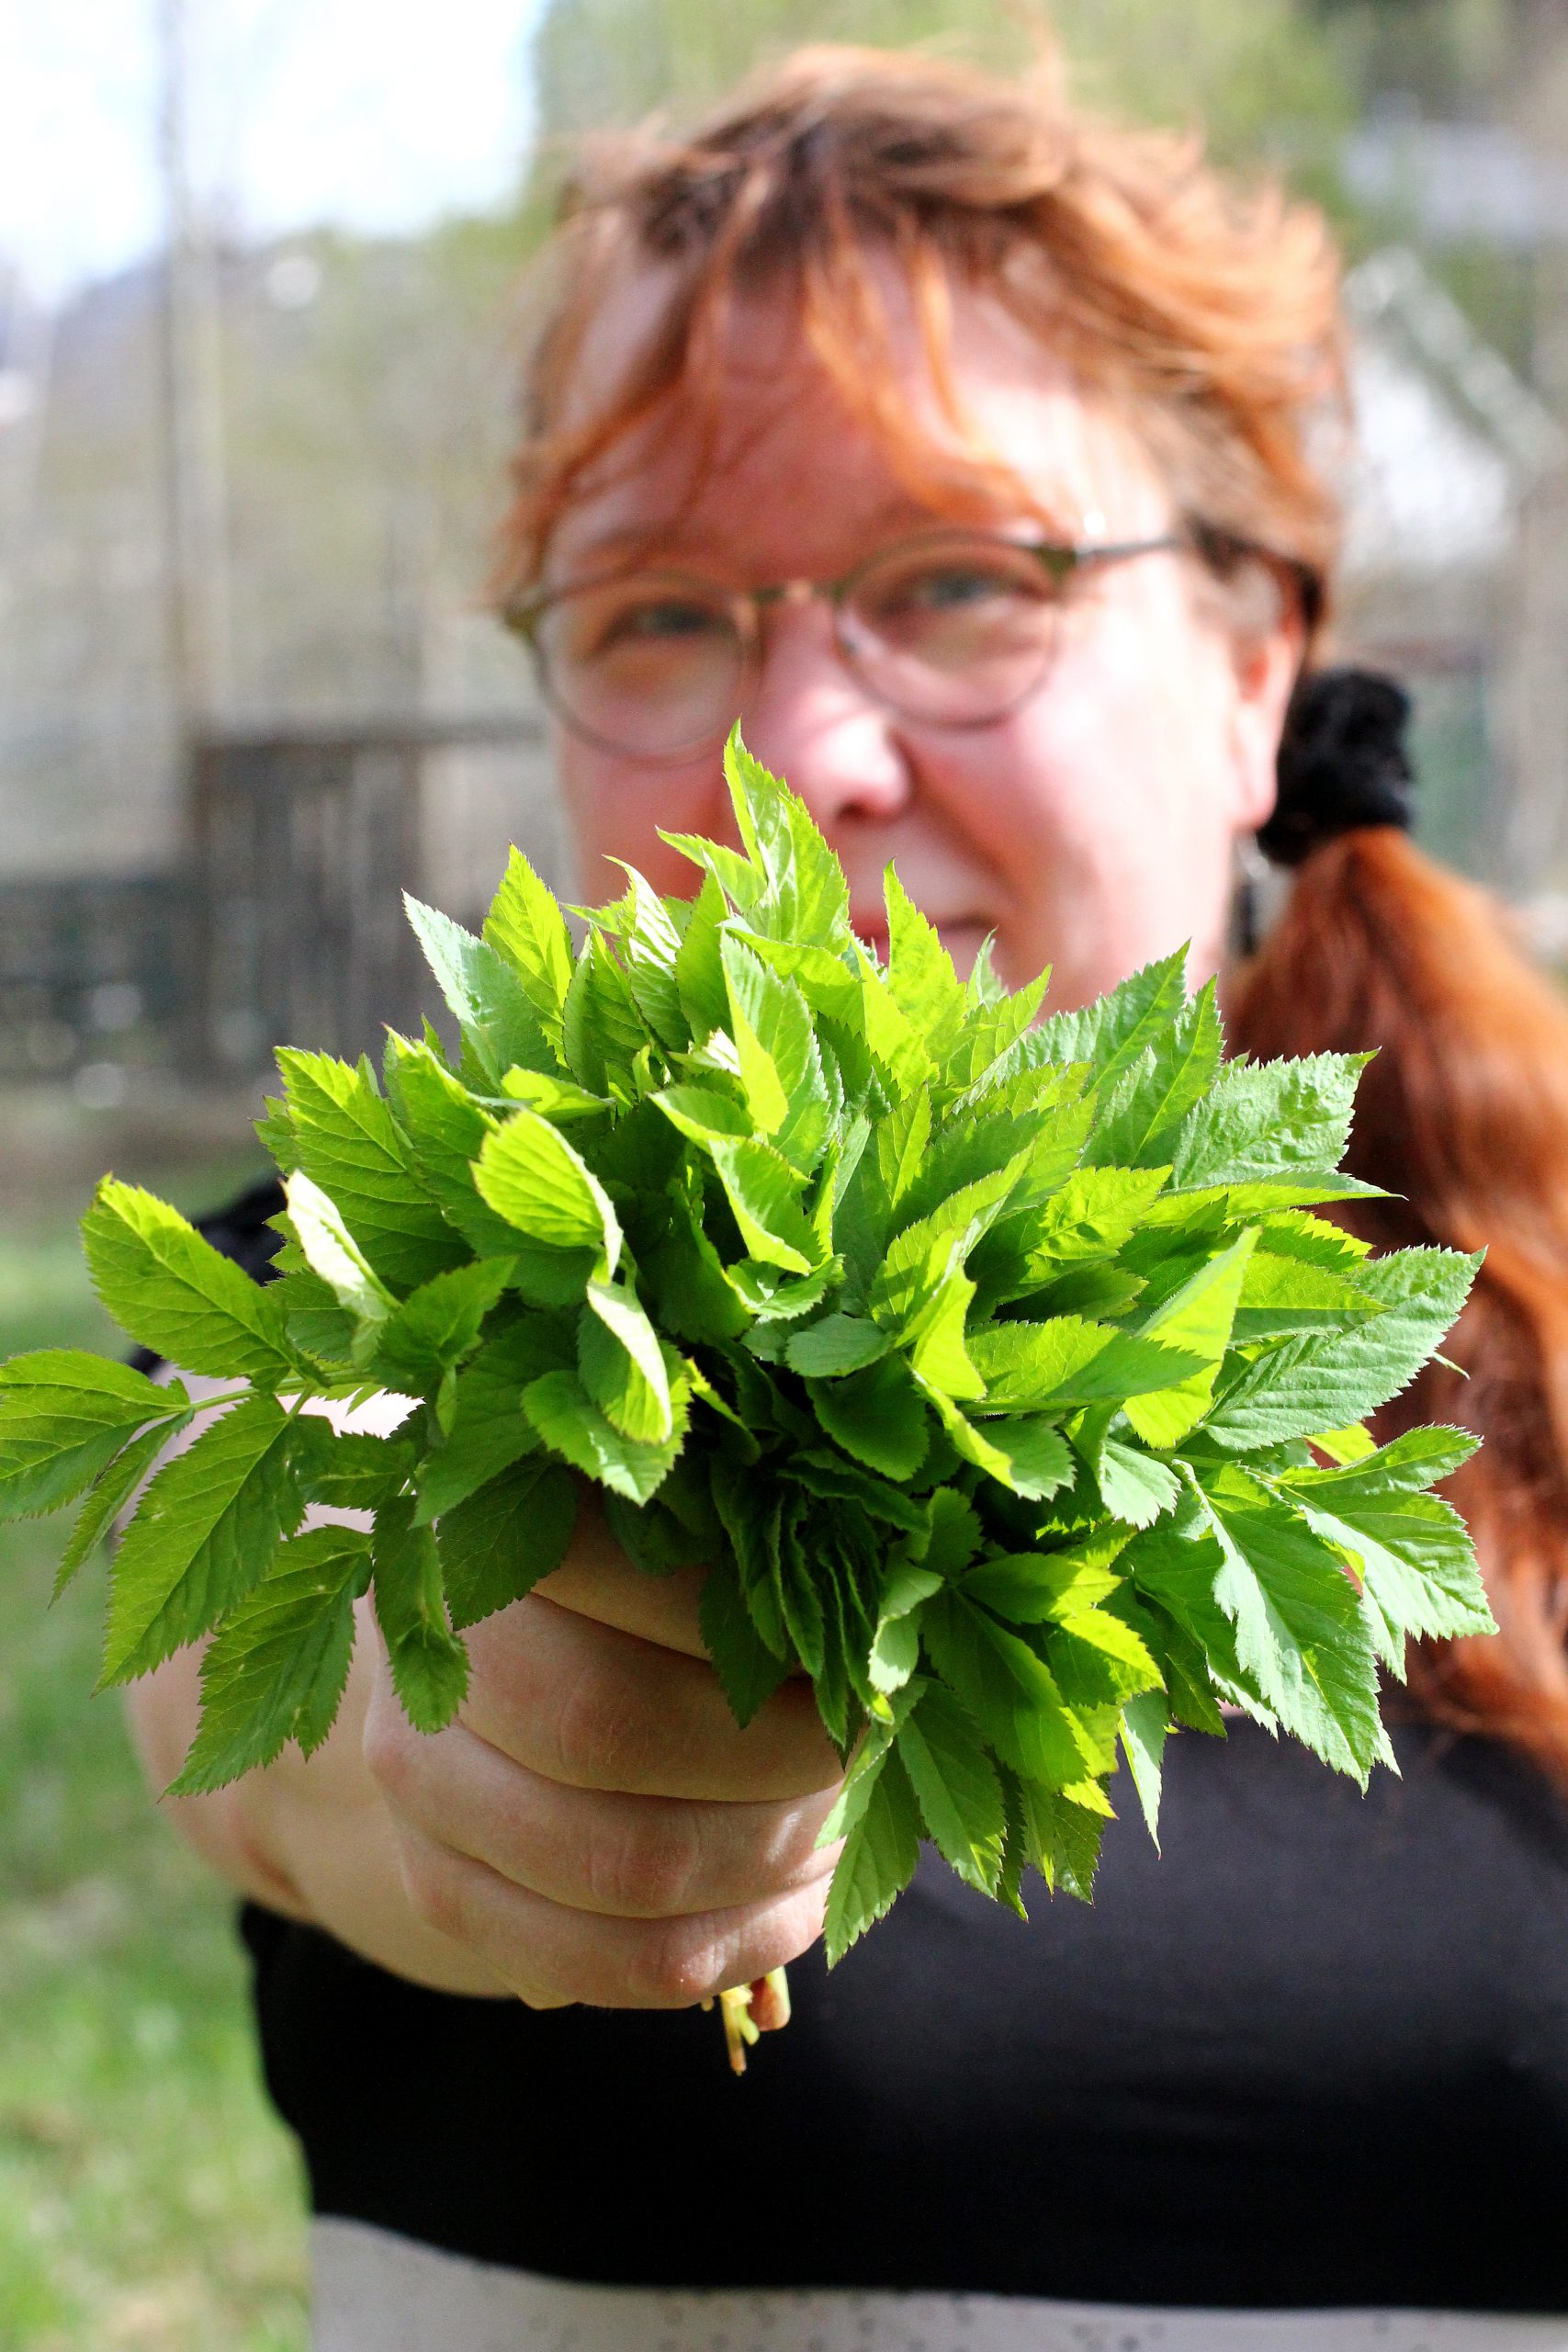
(617, 809)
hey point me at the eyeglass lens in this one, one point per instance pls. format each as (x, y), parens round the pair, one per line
(953, 632)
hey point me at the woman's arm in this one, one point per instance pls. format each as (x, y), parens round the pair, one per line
(592, 1828)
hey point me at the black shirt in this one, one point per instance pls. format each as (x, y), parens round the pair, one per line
(1316, 2053)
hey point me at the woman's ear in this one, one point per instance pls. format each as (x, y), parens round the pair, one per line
(1267, 662)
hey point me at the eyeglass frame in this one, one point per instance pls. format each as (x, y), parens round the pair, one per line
(1062, 560)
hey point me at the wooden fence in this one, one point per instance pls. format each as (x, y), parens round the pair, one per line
(303, 842)
(285, 922)
(92, 970)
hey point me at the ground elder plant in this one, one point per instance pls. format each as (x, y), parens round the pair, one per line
(997, 1369)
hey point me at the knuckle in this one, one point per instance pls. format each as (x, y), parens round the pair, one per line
(678, 1962)
(647, 1870)
(434, 1885)
(599, 1740)
(389, 1750)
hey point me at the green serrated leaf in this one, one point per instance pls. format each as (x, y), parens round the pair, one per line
(1062, 1839)
(764, 1192)
(956, 1786)
(602, 1032)
(498, 1541)
(171, 1289)
(1091, 1214)
(336, 1258)
(1008, 1690)
(622, 1366)
(699, 970)
(1322, 1380)
(804, 895)
(526, 928)
(1048, 1587)
(202, 1537)
(1145, 1114)
(686, 1282)
(1066, 1363)
(488, 1428)
(1133, 1485)
(445, 1131)
(1028, 1455)
(500, 1024)
(1198, 1317)
(1263, 1123)
(277, 1671)
(1146, 1722)
(1301, 1634)
(650, 947)
(837, 1345)
(567, 1419)
(114, 1489)
(896, 1650)
(529, 1174)
(438, 1326)
(1411, 1550)
(920, 977)
(348, 1143)
(356, 1471)
(1114, 1033)
(64, 1415)
(1282, 1295)
(878, 1860)
(746, 1665)
(430, 1666)
(878, 1415)
(1100, 1660)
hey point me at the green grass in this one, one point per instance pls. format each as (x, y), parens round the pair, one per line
(150, 2201)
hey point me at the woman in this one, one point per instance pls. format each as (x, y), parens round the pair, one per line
(968, 449)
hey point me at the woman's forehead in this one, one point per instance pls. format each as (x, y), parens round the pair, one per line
(776, 456)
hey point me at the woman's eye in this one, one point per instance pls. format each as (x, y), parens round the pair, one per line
(955, 587)
(668, 620)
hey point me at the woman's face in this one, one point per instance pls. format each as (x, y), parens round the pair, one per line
(1090, 829)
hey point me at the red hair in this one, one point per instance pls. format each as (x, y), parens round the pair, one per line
(1208, 318)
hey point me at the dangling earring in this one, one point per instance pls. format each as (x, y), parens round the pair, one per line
(1251, 910)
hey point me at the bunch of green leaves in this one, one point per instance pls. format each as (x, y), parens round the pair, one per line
(996, 1368)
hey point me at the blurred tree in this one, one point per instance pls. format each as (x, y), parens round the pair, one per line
(1264, 78)
(1447, 57)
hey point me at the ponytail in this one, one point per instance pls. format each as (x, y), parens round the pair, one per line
(1463, 1116)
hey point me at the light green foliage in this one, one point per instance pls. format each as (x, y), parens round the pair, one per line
(977, 1358)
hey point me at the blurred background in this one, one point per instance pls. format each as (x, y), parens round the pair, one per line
(263, 274)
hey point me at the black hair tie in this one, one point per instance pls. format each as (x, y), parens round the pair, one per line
(1342, 762)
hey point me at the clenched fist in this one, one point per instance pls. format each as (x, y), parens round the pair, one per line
(595, 1826)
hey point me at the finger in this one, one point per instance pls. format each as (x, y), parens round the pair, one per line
(599, 1581)
(551, 1954)
(593, 1707)
(769, 2005)
(625, 1856)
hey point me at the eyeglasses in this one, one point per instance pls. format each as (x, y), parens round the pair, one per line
(950, 628)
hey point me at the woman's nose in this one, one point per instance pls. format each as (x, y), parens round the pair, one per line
(809, 719)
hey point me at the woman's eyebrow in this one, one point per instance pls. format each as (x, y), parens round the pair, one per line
(622, 538)
(668, 539)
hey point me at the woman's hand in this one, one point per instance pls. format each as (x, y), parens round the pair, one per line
(595, 1826)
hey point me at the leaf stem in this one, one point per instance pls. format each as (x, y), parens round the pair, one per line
(752, 2010)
